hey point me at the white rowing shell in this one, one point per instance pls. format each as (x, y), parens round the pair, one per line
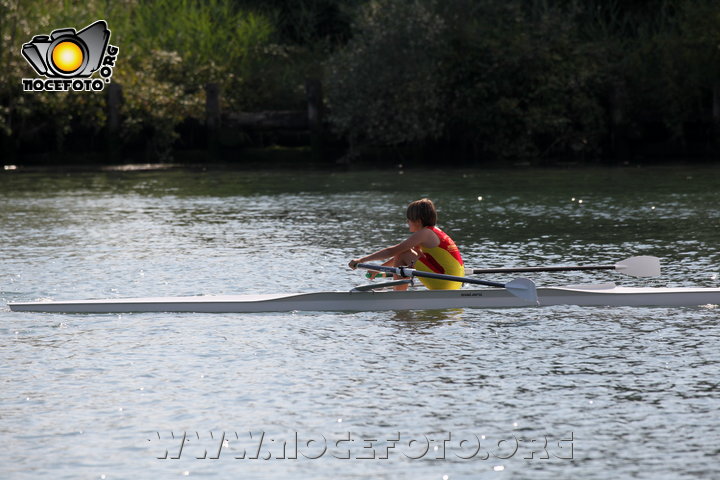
(599, 295)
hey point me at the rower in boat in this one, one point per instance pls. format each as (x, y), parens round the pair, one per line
(428, 249)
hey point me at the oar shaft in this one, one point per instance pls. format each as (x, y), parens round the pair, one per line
(520, 287)
(540, 269)
(411, 272)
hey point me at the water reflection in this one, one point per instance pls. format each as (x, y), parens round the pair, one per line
(423, 321)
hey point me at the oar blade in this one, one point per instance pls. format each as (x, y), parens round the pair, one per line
(523, 288)
(642, 266)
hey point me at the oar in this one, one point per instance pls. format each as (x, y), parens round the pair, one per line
(520, 287)
(643, 266)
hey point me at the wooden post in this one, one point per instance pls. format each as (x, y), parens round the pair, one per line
(618, 128)
(716, 115)
(313, 91)
(114, 101)
(212, 116)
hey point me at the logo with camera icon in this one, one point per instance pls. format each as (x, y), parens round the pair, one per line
(68, 59)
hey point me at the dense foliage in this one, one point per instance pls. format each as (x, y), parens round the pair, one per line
(529, 79)
(489, 79)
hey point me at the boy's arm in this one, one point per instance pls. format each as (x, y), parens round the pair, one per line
(412, 241)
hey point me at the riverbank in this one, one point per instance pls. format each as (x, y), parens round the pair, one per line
(302, 158)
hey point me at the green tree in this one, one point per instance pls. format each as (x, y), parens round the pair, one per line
(522, 83)
(385, 86)
(168, 51)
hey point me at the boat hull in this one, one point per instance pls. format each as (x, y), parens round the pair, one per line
(384, 300)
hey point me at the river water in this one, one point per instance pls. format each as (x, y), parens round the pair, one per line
(543, 393)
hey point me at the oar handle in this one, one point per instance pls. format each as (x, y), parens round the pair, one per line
(411, 272)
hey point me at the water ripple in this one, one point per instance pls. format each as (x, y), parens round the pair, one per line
(634, 391)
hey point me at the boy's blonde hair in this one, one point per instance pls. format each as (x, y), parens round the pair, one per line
(424, 211)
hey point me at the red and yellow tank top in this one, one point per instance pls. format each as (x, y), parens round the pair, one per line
(445, 259)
